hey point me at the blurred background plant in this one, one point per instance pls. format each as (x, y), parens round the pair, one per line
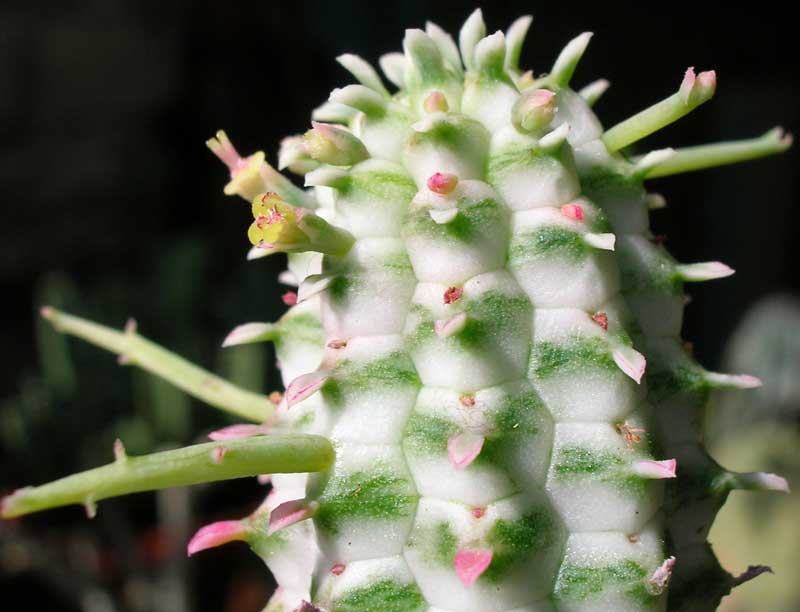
(112, 208)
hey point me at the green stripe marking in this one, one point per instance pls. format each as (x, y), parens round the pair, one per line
(379, 496)
(393, 370)
(383, 596)
(579, 583)
(549, 358)
(514, 541)
(583, 463)
(484, 216)
(547, 241)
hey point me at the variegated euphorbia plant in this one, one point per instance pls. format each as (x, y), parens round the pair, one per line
(488, 404)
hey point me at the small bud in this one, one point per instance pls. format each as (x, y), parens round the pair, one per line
(533, 110)
(436, 103)
(452, 294)
(601, 319)
(337, 344)
(337, 569)
(478, 512)
(333, 145)
(471, 563)
(442, 183)
(572, 211)
(698, 89)
(289, 298)
(275, 397)
(468, 401)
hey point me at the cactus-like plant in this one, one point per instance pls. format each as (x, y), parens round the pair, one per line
(488, 405)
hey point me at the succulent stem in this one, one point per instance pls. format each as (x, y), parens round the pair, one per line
(694, 90)
(701, 157)
(134, 349)
(196, 464)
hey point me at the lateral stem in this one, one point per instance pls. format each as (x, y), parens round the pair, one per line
(136, 350)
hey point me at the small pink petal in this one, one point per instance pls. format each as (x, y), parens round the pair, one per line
(630, 361)
(242, 430)
(216, 534)
(289, 298)
(304, 386)
(289, 513)
(572, 211)
(464, 448)
(445, 328)
(471, 563)
(442, 183)
(655, 470)
(660, 578)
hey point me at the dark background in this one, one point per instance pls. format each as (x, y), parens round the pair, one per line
(112, 206)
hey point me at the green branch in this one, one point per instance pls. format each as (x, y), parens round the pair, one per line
(133, 349)
(694, 91)
(701, 157)
(286, 453)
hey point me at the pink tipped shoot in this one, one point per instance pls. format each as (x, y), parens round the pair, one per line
(216, 534)
(304, 386)
(442, 183)
(289, 513)
(436, 103)
(463, 449)
(572, 211)
(471, 563)
(659, 580)
(655, 470)
(534, 110)
(119, 450)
